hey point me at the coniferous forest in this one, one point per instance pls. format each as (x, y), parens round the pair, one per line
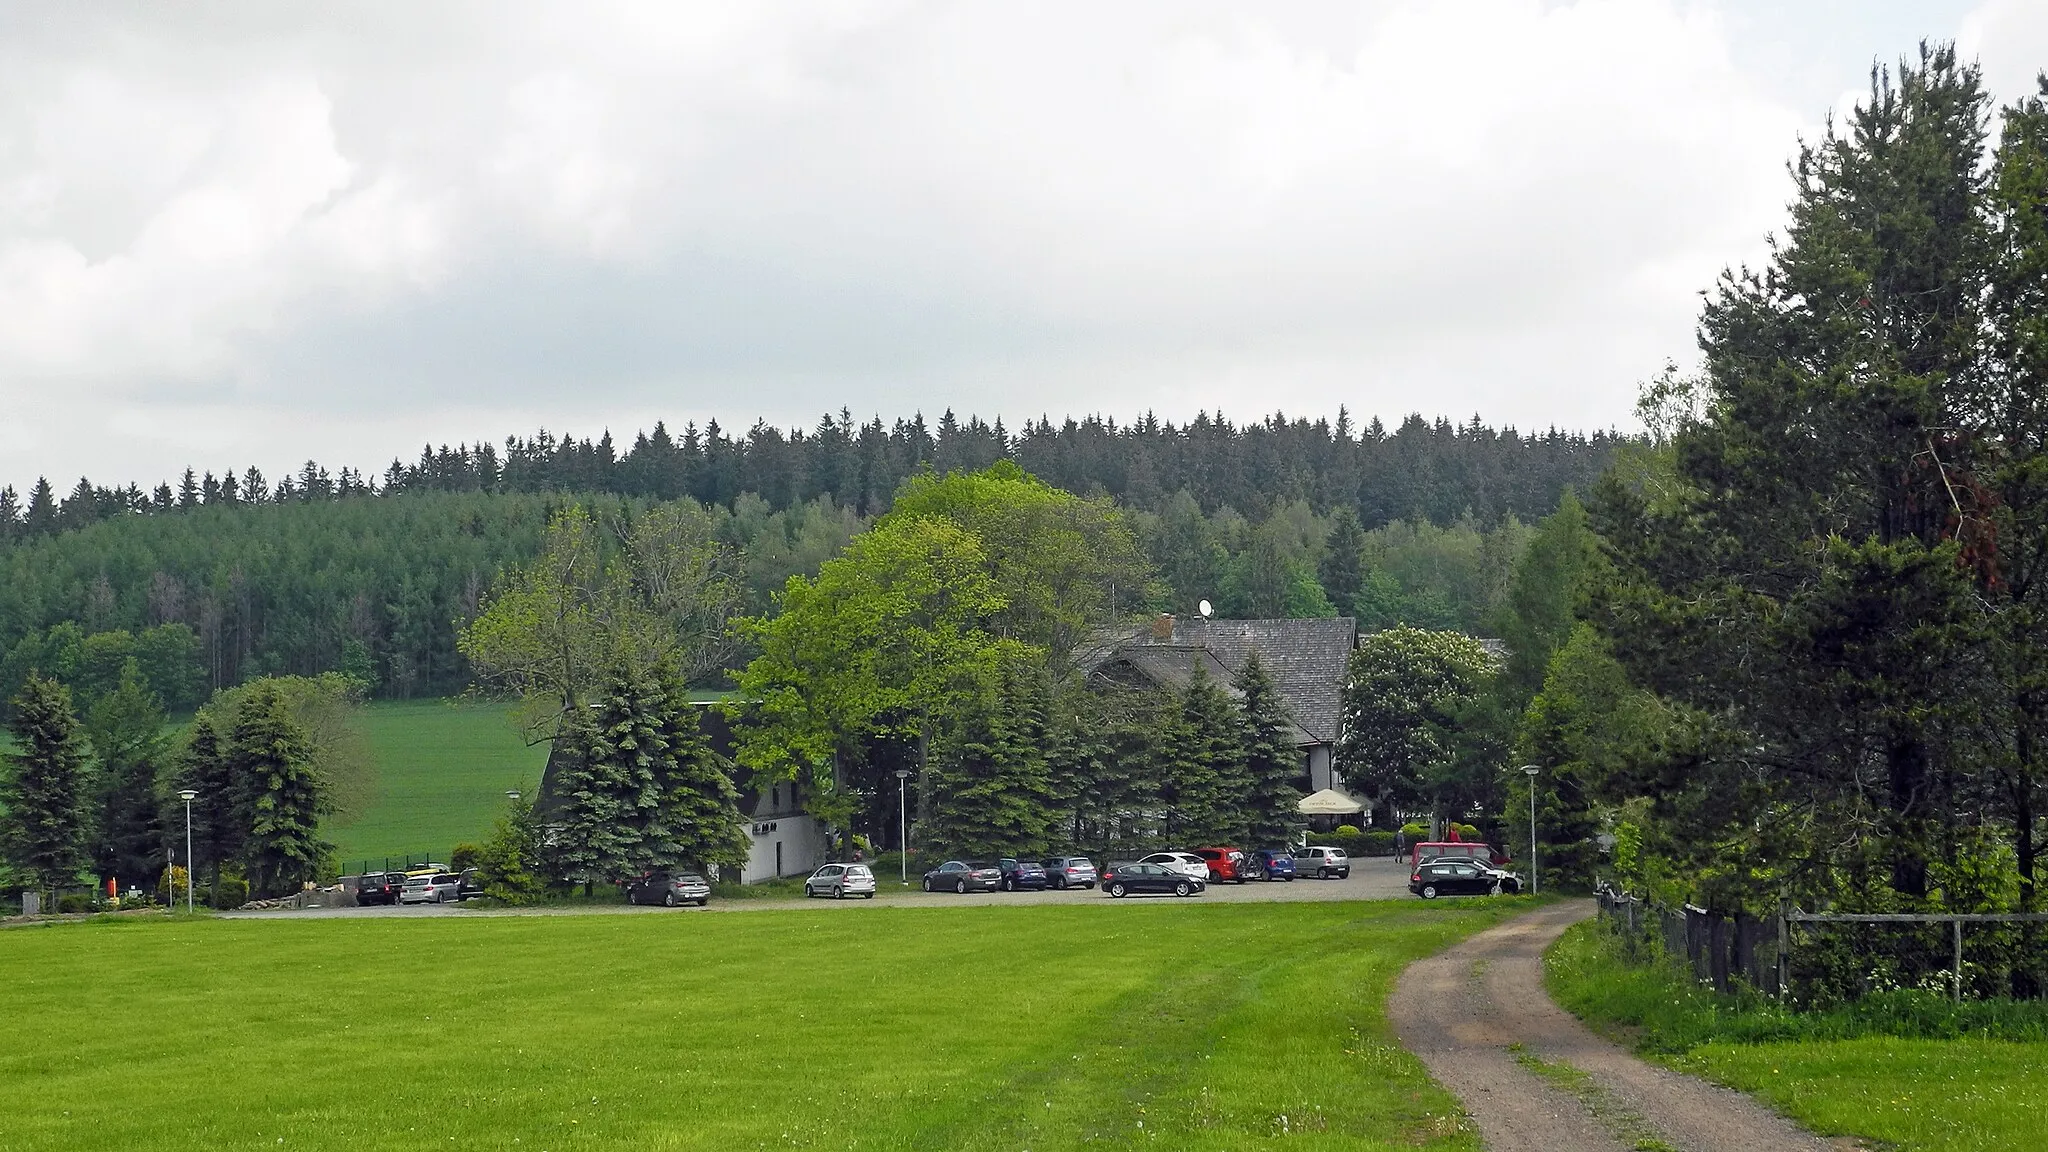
(217, 578)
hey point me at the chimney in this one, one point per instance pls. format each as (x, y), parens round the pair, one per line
(1162, 627)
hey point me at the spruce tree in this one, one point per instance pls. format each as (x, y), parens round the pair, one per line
(697, 822)
(1200, 785)
(1272, 764)
(611, 785)
(204, 768)
(993, 784)
(42, 817)
(271, 757)
(1342, 570)
(126, 729)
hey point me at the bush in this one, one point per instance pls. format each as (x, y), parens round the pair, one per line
(1344, 830)
(78, 902)
(1377, 842)
(231, 891)
(508, 863)
(1415, 831)
(170, 887)
(464, 857)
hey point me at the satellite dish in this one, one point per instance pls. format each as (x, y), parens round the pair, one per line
(1205, 609)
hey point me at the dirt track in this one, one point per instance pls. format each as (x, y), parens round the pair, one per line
(1536, 1080)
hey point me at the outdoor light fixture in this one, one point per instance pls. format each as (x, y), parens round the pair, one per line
(902, 827)
(188, 795)
(1535, 881)
(512, 794)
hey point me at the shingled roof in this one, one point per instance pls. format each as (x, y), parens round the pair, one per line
(1306, 658)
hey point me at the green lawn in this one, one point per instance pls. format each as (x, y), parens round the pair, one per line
(1158, 1024)
(1961, 1093)
(442, 771)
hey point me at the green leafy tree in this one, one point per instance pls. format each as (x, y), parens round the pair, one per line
(1272, 763)
(1402, 693)
(271, 757)
(43, 818)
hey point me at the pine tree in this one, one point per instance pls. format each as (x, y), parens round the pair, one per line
(617, 750)
(1272, 764)
(42, 817)
(271, 757)
(1203, 765)
(697, 822)
(1342, 570)
(993, 784)
(126, 731)
(204, 768)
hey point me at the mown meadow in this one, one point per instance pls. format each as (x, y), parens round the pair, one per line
(442, 768)
(1156, 1024)
(1906, 1069)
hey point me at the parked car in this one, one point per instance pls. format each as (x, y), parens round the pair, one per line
(1019, 875)
(1144, 876)
(1272, 864)
(842, 880)
(669, 889)
(431, 888)
(1069, 871)
(1460, 876)
(1323, 863)
(1225, 864)
(1186, 863)
(470, 884)
(1423, 853)
(379, 887)
(963, 876)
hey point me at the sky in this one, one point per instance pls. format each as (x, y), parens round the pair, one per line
(258, 233)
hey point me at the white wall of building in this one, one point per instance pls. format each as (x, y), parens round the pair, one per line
(800, 841)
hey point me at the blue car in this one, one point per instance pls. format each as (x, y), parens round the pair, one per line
(1272, 864)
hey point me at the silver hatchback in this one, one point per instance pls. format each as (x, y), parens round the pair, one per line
(842, 880)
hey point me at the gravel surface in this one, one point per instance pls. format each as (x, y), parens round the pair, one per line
(1378, 878)
(1536, 1080)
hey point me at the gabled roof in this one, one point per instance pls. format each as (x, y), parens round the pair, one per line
(1306, 658)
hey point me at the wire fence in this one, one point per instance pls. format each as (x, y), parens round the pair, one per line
(1834, 956)
(405, 862)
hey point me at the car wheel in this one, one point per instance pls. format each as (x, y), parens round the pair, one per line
(1059, 881)
(1494, 891)
(1182, 889)
(703, 901)
(632, 897)
(839, 893)
(1116, 890)
(1009, 885)
(867, 895)
(1429, 891)
(927, 882)
(668, 901)
(959, 887)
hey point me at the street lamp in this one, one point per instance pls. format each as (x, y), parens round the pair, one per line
(902, 827)
(1535, 876)
(512, 794)
(188, 796)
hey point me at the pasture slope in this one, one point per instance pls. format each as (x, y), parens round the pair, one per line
(442, 770)
(1116, 1024)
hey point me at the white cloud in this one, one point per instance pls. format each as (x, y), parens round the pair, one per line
(336, 233)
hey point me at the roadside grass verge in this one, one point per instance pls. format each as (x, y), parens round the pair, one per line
(1907, 1068)
(1155, 1024)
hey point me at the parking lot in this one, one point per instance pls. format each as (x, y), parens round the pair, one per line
(1372, 878)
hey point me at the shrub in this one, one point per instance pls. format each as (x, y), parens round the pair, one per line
(1346, 830)
(1415, 831)
(170, 887)
(231, 891)
(464, 857)
(1377, 842)
(508, 863)
(78, 902)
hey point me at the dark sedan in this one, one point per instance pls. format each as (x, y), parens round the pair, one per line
(1454, 877)
(963, 876)
(1124, 879)
(1020, 875)
(669, 889)
(1270, 864)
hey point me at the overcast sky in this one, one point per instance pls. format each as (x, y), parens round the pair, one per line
(259, 232)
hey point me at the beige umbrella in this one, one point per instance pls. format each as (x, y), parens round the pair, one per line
(1328, 802)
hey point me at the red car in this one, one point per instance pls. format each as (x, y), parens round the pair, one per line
(1225, 864)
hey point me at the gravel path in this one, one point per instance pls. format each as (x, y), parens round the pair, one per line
(1536, 1080)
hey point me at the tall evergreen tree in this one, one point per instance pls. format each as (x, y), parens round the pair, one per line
(993, 785)
(697, 822)
(43, 816)
(610, 784)
(204, 767)
(1342, 570)
(126, 728)
(271, 757)
(1200, 779)
(1272, 764)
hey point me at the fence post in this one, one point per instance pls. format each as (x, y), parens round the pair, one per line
(1957, 924)
(1784, 947)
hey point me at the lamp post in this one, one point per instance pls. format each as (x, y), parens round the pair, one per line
(902, 827)
(1535, 864)
(512, 794)
(188, 796)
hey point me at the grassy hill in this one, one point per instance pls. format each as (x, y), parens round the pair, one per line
(442, 771)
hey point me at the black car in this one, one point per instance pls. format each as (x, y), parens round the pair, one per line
(1021, 874)
(1458, 877)
(963, 876)
(379, 887)
(470, 884)
(1124, 879)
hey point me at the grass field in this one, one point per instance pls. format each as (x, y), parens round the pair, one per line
(1158, 1025)
(1835, 1073)
(442, 771)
